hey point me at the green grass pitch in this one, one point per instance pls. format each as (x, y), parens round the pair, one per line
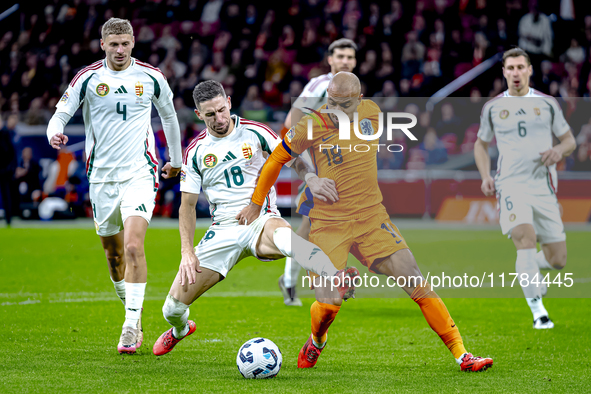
(60, 322)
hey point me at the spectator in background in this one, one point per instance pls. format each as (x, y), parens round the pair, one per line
(27, 176)
(434, 149)
(535, 34)
(7, 165)
(574, 54)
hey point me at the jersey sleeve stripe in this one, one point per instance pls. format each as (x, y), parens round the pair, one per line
(489, 102)
(192, 145)
(320, 79)
(537, 92)
(94, 66)
(261, 125)
(150, 67)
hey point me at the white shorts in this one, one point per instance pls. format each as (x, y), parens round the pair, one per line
(223, 246)
(542, 212)
(113, 202)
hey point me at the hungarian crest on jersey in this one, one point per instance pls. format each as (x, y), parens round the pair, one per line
(102, 89)
(247, 151)
(210, 160)
(139, 89)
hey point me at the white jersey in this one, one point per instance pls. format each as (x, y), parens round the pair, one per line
(116, 107)
(523, 127)
(227, 168)
(314, 93)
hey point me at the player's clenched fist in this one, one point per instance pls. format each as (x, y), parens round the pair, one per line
(57, 140)
(168, 171)
(488, 186)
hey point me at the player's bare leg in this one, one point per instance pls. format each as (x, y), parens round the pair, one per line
(403, 264)
(114, 252)
(176, 308)
(288, 281)
(524, 238)
(136, 274)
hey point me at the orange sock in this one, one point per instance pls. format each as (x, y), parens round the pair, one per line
(322, 317)
(438, 318)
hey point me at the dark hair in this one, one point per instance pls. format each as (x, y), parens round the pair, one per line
(516, 52)
(206, 91)
(341, 43)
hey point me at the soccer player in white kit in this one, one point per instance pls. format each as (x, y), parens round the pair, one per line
(116, 95)
(341, 57)
(524, 121)
(224, 161)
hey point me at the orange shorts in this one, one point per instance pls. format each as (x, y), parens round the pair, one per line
(368, 239)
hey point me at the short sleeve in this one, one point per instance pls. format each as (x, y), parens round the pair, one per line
(559, 125)
(299, 141)
(74, 95)
(486, 131)
(163, 96)
(191, 179)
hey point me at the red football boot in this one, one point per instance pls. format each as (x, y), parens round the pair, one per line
(346, 286)
(167, 341)
(475, 364)
(309, 354)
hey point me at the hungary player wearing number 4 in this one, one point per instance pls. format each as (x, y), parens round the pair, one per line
(224, 161)
(116, 95)
(523, 120)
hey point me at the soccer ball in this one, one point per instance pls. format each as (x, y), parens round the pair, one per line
(259, 358)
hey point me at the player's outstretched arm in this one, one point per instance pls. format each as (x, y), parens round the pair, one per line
(187, 218)
(55, 130)
(566, 146)
(482, 159)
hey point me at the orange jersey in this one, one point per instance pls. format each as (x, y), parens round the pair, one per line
(354, 172)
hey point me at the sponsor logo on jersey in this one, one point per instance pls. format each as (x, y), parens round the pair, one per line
(537, 111)
(247, 151)
(183, 176)
(512, 217)
(290, 134)
(139, 89)
(504, 114)
(65, 98)
(210, 160)
(121, 90)
(520, 112)
(102, 89)
(229, 156)
(366, 127)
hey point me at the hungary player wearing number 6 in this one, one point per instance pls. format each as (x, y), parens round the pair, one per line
(224, 161)
(116, 95)
(524, 121)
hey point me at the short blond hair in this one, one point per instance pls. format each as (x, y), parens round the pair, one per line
(116, 26)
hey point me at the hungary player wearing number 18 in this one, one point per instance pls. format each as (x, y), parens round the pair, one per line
(116, 95)
(355, 221)
(524, 120)
(224, 162)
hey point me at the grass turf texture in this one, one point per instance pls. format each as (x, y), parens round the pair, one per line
(60, 322)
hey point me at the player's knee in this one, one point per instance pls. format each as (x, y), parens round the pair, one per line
(134, 249)
(558, 260)
(114, 259)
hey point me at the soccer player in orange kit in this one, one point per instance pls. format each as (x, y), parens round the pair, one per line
(355, 221)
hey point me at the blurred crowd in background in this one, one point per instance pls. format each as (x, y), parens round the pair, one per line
(264, 54)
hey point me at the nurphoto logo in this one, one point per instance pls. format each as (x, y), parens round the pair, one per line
(364, 129)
